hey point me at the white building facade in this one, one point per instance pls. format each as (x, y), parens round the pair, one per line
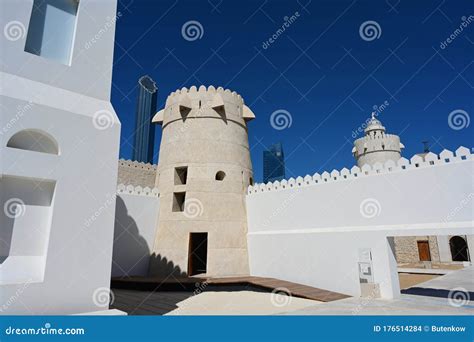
(59, 141)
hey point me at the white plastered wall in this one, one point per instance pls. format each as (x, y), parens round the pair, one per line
(70, 271)
(312, 233)
(135, 228)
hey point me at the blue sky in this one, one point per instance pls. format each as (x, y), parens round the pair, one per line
(321, 70)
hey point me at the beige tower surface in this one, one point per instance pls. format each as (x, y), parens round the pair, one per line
(203, 174)
(376, 146)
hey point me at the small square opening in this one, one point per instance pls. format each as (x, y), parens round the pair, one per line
(180, 175)
(52, 28)
(178, 201)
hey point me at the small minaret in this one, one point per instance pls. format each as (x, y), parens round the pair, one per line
(376, 145)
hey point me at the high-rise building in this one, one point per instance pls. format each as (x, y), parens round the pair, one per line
(144, 130)
(273, 163)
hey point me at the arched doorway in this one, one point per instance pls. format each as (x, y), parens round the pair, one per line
(459, 250)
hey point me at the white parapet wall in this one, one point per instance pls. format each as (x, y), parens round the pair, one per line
(316, 229)
(136, 217)
(136, 173)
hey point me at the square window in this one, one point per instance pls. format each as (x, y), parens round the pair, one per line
(180, 175)
(178, 201)
(52, 29)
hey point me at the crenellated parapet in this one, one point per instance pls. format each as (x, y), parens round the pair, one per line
(137, 190)
(203, 92)
(136, 173)
(376, 142)
(203, 102)
(136, 165)
(462, 154)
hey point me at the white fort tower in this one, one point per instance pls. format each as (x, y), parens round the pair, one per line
(203, 174)
(376, 145)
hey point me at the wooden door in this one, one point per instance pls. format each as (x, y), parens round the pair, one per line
(424, 250)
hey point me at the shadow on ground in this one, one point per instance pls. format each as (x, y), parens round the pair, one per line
(440, 293)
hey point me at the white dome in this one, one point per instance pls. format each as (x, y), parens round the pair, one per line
(374, 124)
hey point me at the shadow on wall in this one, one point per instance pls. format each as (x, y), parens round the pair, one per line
(6, 233)
(131, 253)
(162, 267)
(25, 211)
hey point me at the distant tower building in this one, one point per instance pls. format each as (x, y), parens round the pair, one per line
(376, 145)
(426, 149)
(144, 129)
(203, 175)
(273, 164)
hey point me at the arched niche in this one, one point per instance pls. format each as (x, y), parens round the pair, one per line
(34, 140)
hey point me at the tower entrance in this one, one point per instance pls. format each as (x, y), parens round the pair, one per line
(197, 253)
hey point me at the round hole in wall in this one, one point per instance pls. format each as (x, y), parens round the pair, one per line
(220, 175)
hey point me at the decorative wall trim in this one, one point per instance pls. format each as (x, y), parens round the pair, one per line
(136, 164)
(137, 190)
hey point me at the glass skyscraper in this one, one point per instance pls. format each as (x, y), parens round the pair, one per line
(144, 129)
(273, 164)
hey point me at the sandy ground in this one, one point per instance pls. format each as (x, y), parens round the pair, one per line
(410, 279)
(405, 305)
(240, 303)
